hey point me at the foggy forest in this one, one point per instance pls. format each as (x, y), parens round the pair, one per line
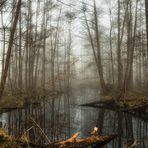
(73, 73)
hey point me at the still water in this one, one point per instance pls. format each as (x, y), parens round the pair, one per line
(68, 118)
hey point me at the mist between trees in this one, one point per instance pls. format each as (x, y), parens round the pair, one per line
(39, 41)
(49, 47)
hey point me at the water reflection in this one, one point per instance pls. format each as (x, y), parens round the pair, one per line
(78, 119)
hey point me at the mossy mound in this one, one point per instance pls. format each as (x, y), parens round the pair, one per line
(128, 99)
(11, 101)
(7, 141)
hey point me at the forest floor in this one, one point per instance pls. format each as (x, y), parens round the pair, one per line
(13, 101)
(129, 99)
(121, 100)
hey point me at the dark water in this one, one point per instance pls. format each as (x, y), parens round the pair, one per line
(70, 118)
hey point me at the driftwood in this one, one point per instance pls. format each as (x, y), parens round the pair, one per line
(73, 142)
(70, 140)
(70, 143)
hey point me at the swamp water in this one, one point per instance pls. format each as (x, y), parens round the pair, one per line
(68, 118)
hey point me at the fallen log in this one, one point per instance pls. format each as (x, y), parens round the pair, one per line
(73, 142)
(84, 142)
(70, 143)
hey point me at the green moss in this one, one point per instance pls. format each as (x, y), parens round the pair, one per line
(10, 101)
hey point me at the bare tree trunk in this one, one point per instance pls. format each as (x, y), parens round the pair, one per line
(4, 42)
(44, 29)
(36, 48)
(8, 56)
(128, 81)
(119, 51)
(111, 48)
(97, 54)
(26, 55)
(20, 56)
(146, 15)
(100, 67)
(31, 49)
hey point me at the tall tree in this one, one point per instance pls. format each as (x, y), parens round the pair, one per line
(100, 67)
(8, 55)
(131, 33)
(96, 47)
(119, 49)
(146, 15)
